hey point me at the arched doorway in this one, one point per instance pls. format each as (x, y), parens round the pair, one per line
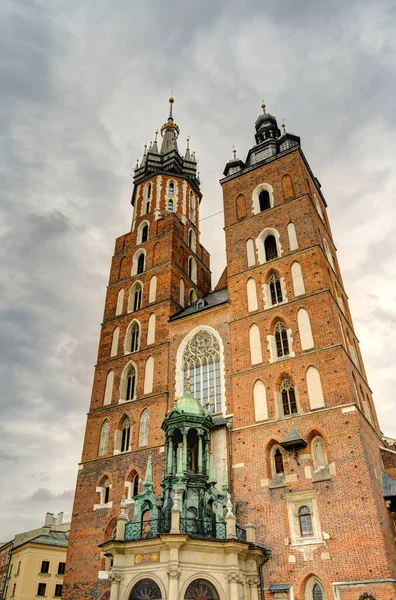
(146, 589)
(201, 589)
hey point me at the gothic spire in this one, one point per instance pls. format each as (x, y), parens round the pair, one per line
(170, 132)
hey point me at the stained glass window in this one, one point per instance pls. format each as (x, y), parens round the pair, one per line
(146, 589)
(305, 517)
(282, 343)
(201, 360)
(275, 289)
(288, 397)
(200, 589)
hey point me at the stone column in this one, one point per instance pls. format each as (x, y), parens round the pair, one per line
(169, 466)
(253, 583)
(116, 579)
(184, 452)
(173, 589)
(233, 580)
(200, 454)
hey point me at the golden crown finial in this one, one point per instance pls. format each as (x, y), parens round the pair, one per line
(188, 383)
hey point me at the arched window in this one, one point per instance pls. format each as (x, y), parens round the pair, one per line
(145, 233)
(135, 297)
(140, 264)
(256, 356)
(170, 205)
(260, 401)
(281, 340)
(171, 188)
(192, 207)
(241, 207)
(278, 462)
(201, 361)
(192, 296)
(314, 385)
(147, 210)
(181, 292)
(264, 200)
(132, 337)
(250, 253)
(304, 328)
(192, 269)
(125, 435)
(156, 253)
(292, 234)
(114, 342)
(148, 376)
(151, 329)
(131, 383)
(318, 451)
(318, 207)
(328, 253)
(104, 438)
(305, 518)
(297, 278)
(201, 589)
(144, 428)
(287, 187)
(146, 589)
(270, 247)
(153, 289)
(190, 234)
(149, 191)
(123, 272)
(120, 302)
(105, 492)
(108, 388)
(251, 295)
(317, 593)
(289, 403)
(275, 289)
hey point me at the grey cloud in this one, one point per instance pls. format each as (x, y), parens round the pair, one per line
(83, 87)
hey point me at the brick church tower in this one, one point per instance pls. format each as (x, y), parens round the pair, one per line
(232, 448)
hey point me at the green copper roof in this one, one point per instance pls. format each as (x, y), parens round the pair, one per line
(189, 405)
(53, 538)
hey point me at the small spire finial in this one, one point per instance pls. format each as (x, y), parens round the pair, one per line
(188, 143)
(176, 399)
(188, 383)
(234, 151)
(171, 101)
(284, 125)
(263, 105)
(156, 134)
(145, 149)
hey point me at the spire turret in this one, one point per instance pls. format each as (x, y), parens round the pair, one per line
(168, 159)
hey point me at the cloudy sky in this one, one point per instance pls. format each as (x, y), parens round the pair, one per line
(83, 86)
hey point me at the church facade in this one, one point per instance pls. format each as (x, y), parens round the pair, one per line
(232, 448)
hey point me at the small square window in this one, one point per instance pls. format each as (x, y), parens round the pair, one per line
(41, 589)
(45, 566)
(58, 590)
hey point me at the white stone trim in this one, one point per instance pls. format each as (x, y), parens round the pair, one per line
(179, 373)
(294, 500)
(255, 197)
(127, 337)
(122, 388)
(271, 346)
(139, 232)
(135, 260)
(132, 293)
(158, 195)
(260, 244)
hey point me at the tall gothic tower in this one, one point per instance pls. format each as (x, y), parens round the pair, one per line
(232, 447)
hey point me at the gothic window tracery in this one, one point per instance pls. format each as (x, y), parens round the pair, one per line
(146, 589)
(317, 593)
(201, 589)
(289, 403)
(134, 337)
(126, 434)
(201, 360)
(275, 289)
(281, 341)
(104, 438)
